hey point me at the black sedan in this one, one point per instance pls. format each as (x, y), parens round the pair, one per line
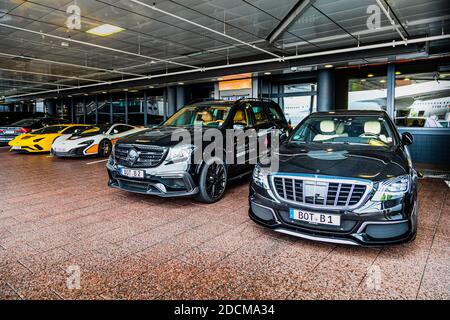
(342, 177)
(9, 132)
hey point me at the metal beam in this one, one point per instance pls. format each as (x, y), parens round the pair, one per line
(96, 46)
(299, 8)
(386, 13)
(53, 75)
(153, 7)
(69, 64)
(264, 61)
(38, 82)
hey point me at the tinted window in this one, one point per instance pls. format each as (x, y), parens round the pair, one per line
(25, 122)
(202, 115)
(260, 117)
(275, 112)
(71, 130)
(120, 129)
(49, 130)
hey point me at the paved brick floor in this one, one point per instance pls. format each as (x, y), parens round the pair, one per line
(59, 215)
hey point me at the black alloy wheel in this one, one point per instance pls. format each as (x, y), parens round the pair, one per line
(104, 148)
(213, 182)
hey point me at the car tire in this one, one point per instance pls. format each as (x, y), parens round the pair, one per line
(104, 148)
(212, 181)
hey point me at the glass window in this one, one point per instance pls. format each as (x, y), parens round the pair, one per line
(367, 93)
(353, 130)
(422, 100)
(25, 122)
(203, 115)
(71, 130)
(260, 117)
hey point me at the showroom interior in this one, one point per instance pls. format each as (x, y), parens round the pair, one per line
(139, 62)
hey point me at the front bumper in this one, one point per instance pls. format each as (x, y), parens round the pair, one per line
(72, 153)
(374, 229)
(28, 149)
(173, 181)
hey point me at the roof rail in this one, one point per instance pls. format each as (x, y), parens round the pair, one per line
(255, 99)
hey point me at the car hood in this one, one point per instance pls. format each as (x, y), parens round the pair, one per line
(68, 139)
(159, 136)
(363, 162)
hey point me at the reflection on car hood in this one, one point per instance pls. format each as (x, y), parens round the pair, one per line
(159, 136)
(373, 163)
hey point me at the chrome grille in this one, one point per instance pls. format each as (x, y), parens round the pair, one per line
(148, 155)
(321, 192)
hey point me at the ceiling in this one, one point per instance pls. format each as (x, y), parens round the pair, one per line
(39, 53)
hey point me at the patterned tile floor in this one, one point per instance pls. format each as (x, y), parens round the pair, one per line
(58, 218)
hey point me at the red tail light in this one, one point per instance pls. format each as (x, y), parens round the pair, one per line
(23, 130)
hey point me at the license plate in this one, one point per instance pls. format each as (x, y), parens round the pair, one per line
(315, 218)
(131, 173)
(16, 147)
(10, 132)
(59, 150)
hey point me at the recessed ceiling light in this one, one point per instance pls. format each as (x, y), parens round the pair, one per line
(180, 83)
(293, 68)
(398, 72)
(407, 79)
(267, 73)
(69, 96)
(382, 81)
(363, 80)
(105, 30)
(150, 87)
(104, 92)
(152, 61)
(85, 94)
(125, 89)
(219, 79)
(328, 66)
(370, 75)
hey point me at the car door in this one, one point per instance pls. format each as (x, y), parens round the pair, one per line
(241, 124)
(263, 124)
(278, 119)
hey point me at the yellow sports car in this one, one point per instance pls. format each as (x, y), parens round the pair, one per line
(41, 140)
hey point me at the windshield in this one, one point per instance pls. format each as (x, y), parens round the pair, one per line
(357, 130)
(25, 122)
(51, 129)
(92, 130)
(209, 116)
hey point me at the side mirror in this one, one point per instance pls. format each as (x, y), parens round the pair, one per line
(407, 138)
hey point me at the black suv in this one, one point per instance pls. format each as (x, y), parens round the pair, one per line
(153, 162)
(342, 177)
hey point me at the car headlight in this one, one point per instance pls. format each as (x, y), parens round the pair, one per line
(180, 153)
(86, 143)
(261, 176)
(392, 189)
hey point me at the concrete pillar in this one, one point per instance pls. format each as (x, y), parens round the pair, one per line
(391, 91)
(145, 108)
(126, 107)
(216, 91)
(171, 101)
(51, 106)
(255, 88)
(180, 97)
(325, 90)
